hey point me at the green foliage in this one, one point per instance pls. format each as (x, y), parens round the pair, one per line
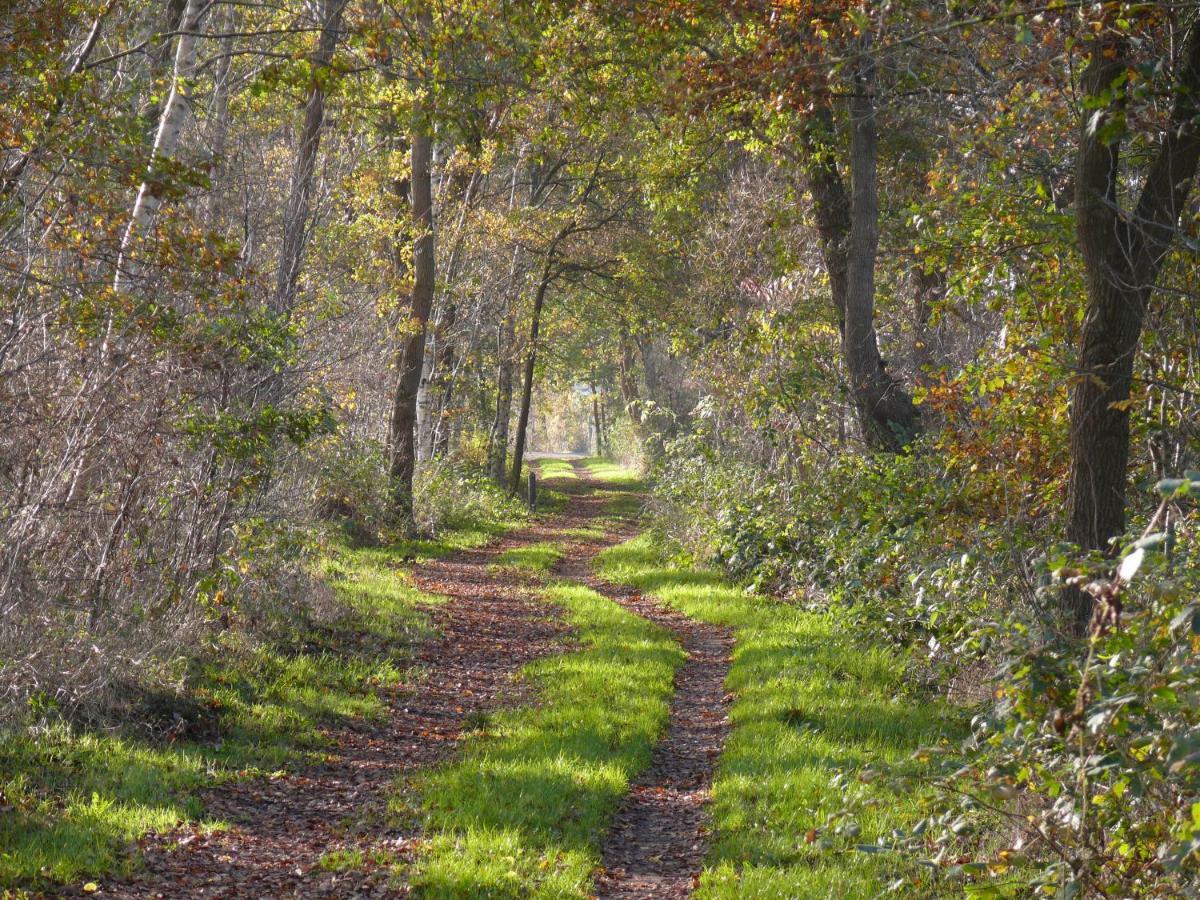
(1080, 772)
(1101, 745)
(892, 541)
(451, 495)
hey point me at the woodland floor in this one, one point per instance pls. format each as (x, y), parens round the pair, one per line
(331, 830)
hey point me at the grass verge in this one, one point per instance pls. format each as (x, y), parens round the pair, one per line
(73, 800)
(813, 712)
(522, 811)
(612, 474)
(549, 469)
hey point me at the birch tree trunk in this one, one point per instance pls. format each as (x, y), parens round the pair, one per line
(175, 115)
(299, 207)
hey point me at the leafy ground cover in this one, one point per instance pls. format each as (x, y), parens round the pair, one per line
(813, 712)
(523, 810)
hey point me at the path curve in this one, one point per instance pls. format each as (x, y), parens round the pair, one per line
(493, 624)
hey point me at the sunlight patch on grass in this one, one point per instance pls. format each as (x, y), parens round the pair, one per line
(555, 469)
(620, 505)
(612, 473)
(810, 706)
(522, 811)
(539, 557)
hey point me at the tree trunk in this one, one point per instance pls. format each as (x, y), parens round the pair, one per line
(505, 338)
(498, 438)
(412, 349)
(606, 444)
(596, 420)
(1122, 256)
(514, 482)
(176, 112)
(628, 377)
(299, 207)
(886, 413)
(443, 364)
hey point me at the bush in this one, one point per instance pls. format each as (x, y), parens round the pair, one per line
(1090, 760)
(1081, 776)
(451, 493)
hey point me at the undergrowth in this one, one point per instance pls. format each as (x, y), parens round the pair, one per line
(73, 797)
(814, 714)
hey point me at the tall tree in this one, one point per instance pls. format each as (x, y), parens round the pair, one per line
(411, 353)
(175, 115)
(299, 206)
(1123, 253)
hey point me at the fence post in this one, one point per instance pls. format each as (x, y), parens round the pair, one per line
(532, 493)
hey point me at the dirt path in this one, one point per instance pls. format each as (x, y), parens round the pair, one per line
(657, 844)
(491, 626)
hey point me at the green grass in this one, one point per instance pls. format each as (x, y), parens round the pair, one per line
(613, 474)
(71, 800)
(539, 557)
(812, 711)
(522, 811)
(555, 469)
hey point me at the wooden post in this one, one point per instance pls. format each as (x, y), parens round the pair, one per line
(532, 497)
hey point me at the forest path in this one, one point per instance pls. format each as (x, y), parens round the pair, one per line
(284, 830)
(657, 845)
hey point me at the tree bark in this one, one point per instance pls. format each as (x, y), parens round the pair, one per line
(848, 231)
(596, 420)
(628, 377)
(1122, 256)
(438, 381)
(514, 482)
(498, 438)
(886, 413)
(176, 112)
(299, 206)
(505, 338)
(411, 354)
